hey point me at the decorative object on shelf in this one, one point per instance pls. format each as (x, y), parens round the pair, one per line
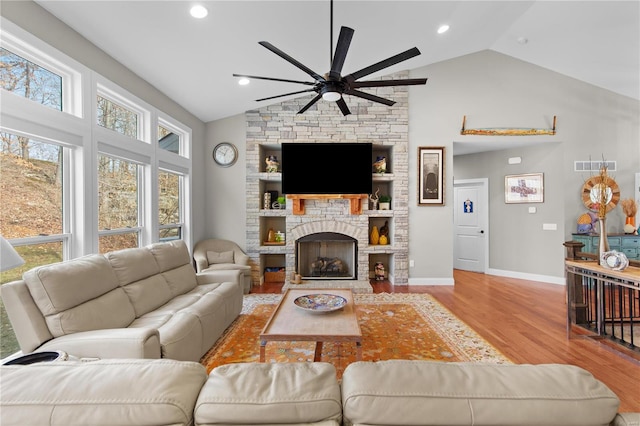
(614, 260)
(505, 131)
(374, 198)
(384, 232)
(374, 236)
(385, 202)
(630, 209)
(282, 200)
(279, 238)
(267, 201)
(225, 154)
(430, 175)
(272, 164)
(271, 236)
(587, 223)
(526, 188)
(380, 166)
(378, 271)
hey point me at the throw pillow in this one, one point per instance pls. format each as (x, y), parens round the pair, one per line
(222, 257)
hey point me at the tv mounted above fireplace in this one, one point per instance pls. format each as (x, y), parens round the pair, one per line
(326, 168)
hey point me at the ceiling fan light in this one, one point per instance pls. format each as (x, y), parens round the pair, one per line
(331, 96)
(244, 81)
(443, 29)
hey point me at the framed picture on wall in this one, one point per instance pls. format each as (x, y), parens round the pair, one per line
(430, 175)
(527, 188)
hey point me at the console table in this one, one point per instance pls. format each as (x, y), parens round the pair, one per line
(628, 244)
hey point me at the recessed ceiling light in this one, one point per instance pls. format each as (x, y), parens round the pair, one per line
(523, 40)
(443, 29)
(199, 11)
(244, 81)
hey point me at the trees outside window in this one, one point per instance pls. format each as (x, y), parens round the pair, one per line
(169, 205)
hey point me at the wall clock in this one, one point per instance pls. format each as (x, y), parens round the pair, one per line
(225, 154)
(591, 193)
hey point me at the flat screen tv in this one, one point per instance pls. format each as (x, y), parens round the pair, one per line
(326, 168)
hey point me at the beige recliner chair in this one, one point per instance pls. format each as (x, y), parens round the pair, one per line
(216, 254)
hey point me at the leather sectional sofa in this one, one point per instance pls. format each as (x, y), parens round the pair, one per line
(143, 302)
(385, 393)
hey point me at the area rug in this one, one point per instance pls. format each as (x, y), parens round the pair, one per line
(394, 326)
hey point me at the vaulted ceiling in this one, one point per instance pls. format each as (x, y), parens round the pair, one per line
(192, 60)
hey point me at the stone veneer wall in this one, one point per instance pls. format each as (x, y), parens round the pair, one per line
(369, 122)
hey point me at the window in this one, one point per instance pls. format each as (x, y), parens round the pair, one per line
(170, 205)
(31, 207)
(168, 140)
(117, 118)
(118, 204)
(30, 80)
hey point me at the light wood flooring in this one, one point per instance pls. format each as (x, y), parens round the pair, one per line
(526, 321)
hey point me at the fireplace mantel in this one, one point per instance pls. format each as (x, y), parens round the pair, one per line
(355, 201)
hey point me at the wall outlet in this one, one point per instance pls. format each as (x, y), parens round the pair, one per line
(549, 227)
(532, 209)
(412, 263)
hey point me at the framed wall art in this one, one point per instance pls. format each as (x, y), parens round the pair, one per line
(526, 188)
(431, 175)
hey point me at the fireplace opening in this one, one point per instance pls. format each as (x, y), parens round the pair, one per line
(326, 255)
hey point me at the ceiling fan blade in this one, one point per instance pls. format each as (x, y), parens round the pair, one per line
(369, 96)
(384, 83)
(289, 59)
(286, 94)
(343, 106)
(313, 101)
(408, 54)
(308, 83)
(344, 40)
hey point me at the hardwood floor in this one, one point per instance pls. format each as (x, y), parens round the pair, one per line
(525, 320)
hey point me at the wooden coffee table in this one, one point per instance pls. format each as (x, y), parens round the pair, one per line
(292, 323)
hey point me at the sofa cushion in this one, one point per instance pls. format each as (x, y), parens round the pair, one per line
(79, 295)
(256, 394)
(170, 255)
(437, 393)
(180, 280)
(106, 392)
(219, 257)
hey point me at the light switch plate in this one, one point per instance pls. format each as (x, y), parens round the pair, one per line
(549, 227)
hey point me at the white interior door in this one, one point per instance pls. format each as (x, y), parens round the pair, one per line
(471, 224)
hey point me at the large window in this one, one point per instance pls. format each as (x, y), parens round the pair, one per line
(118, 203)
(170, 205)
(31, 208)
(86, 167)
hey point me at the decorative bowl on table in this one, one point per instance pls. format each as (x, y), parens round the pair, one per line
(614, 260)
(320, 302)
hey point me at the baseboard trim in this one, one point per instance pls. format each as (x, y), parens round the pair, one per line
(431, 281)
(526, 276)
(497, 272)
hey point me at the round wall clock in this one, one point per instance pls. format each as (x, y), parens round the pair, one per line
(591, 193)
(225, 154)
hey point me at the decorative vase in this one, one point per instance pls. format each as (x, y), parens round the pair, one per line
(374, 237)
(631, 220)
(603, 242)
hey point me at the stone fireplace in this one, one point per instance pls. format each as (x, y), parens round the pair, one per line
(331, 221)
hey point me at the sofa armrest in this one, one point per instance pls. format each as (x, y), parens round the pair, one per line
(201, 261)
(240, 258)
(626, 419)
(219, 276)
(108, 343)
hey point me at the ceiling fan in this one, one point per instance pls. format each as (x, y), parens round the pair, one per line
(332, 85)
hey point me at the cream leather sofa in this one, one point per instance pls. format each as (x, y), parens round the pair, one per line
(144, 302)
(386, 393)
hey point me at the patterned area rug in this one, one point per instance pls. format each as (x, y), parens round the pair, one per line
(394, 326)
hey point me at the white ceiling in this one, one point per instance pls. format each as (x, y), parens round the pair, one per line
(192, 61)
